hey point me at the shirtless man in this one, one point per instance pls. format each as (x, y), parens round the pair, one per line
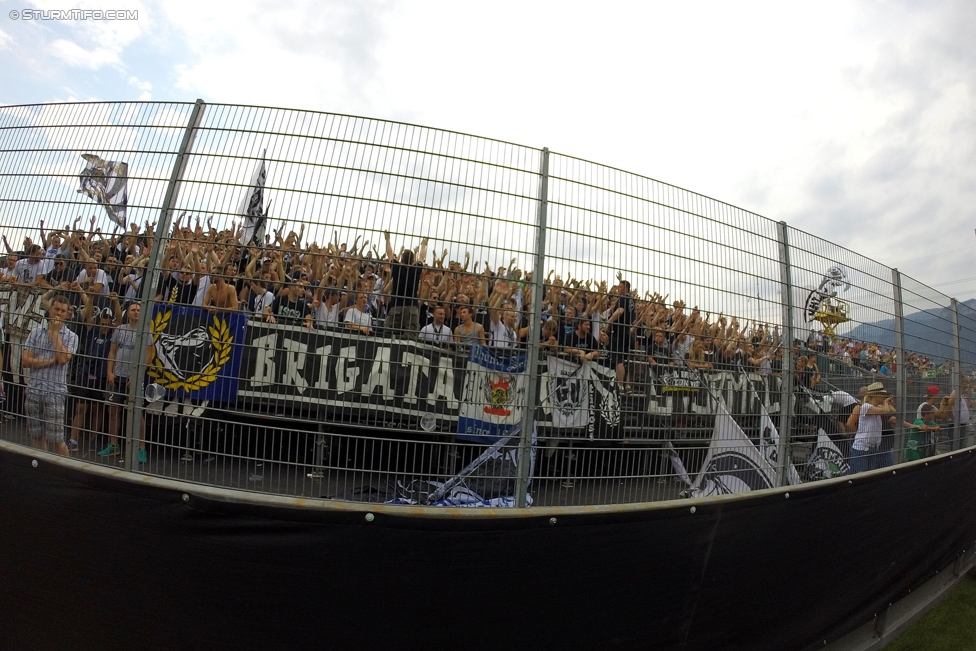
(221, 296)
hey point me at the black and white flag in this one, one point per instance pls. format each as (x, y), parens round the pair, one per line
(252, 209)
(769, 445)
(826, 460)
(569, 392)
(732, 464)
(105, 182)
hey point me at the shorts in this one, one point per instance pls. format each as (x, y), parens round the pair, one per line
(45, 415)
(118, 394)
(88, 389)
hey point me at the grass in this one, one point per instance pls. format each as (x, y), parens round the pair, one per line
(950, 626)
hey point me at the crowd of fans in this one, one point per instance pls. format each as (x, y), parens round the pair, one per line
(382, 290)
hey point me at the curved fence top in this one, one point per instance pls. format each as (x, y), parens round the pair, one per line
(408, 294)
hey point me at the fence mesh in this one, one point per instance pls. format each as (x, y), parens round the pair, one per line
(345, 308)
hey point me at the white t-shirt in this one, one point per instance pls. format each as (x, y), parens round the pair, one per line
(502, 336)
(869, 427)
(132, 291)
(202, 288)
(100, 278)
(436, 334)
(28, 273)
(262, 301)
(325, 316)
(354, 316)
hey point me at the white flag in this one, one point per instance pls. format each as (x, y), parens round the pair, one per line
(569, 393)
(105, 181)
(732, 464)
(826, 460)
(252, 209)
(769, 445)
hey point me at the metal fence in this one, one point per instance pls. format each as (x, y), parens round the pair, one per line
(335, 307)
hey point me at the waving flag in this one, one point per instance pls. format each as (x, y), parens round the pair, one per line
(252, 209)
(105, 182)
(732, 464)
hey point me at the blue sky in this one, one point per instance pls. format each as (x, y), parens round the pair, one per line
(851, 121)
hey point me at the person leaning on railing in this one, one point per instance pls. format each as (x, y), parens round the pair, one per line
(357, 317)
(580, 343)
(437, 332)
(290, 307)
(869, 424)
(468, 332)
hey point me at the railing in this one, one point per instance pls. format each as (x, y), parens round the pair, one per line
(530, 327)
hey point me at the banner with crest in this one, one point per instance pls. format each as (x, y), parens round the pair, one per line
(197, 354)
(494, 393)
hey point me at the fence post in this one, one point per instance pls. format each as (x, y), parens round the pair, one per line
(535, 327)
(150, 279)
(901, 375)
(786, 396)
(955, 379)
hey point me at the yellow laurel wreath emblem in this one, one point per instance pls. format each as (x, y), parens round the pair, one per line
(220, 338)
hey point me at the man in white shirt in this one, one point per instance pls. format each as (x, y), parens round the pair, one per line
(436, 332)
(33, 269)
(92, 279)
(325, 307)
(358, 318)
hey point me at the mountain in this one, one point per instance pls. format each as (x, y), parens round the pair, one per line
(928, 332)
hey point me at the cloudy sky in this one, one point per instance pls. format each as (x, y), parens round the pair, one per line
(853, 121)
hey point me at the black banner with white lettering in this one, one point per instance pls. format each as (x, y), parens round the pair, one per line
(370, 379)
(363, 376)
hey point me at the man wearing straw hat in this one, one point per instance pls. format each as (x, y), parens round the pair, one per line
(865, 453)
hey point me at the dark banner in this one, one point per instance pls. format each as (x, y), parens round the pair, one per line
(196, 354)
(371, 378)
(173, 568)
(292, 365)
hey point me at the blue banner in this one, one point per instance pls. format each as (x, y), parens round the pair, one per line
(494, 394)
(197, 354)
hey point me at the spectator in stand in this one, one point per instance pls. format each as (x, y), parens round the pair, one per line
(180, 290)
(9, 271)
(468, 332)
(580, 343)
(221, 296)
(620, 321)
(121, 366)
(659, 351)
(325, 307)
(91, 383)
(290, 307)
(130, 282)
(260, 299)
(436, 332)
(696, 356)
(93, 280)
(357, 318)
(32, 269)
(59, 276)
(865, 453)
(403, 310)
(548, 338)
(47, 352)
(920, 433)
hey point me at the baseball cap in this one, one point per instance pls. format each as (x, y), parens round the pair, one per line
(932, 390)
